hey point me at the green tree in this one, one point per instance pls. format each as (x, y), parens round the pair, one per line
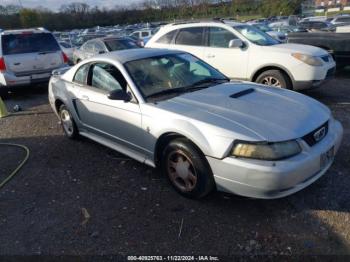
(29, 18)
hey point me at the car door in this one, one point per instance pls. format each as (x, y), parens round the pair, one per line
(115, 120)
(190, 39)
(232, 62)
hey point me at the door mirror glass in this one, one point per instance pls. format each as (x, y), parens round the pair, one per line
(235, 43)
(119, 95)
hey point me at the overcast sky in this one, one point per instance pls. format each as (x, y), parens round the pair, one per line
(55, 4)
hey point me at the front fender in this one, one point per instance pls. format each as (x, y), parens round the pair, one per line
(201, 135)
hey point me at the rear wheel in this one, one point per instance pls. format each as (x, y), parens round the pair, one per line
(274, 78)
(187, 169)
(67, 122)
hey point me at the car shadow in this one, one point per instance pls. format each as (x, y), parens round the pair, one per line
(26, 98)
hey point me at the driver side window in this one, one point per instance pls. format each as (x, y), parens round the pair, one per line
(220, 37)
(107, 78)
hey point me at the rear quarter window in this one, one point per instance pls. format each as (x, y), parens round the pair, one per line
(29, 43)
(167, 38)
(81, 74)
(190, 36)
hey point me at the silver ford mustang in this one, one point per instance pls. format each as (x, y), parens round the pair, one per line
(169, 109)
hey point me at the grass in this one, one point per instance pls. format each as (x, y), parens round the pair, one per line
(333, 13)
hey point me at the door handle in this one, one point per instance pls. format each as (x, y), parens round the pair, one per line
(210, 56)
(84, 97)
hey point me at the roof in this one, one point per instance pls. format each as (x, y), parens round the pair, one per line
(128, 55)
(205, 22)
(21, 31)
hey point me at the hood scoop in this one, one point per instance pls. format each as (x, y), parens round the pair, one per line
(242, 93)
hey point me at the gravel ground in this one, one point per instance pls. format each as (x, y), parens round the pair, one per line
(80, 198)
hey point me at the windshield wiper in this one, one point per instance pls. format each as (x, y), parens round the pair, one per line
(208, 81)
(167, 92)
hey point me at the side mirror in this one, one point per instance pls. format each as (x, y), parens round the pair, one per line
(119, 95)
(101, 52)
(236, 43)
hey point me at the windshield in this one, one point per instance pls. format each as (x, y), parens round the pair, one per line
(264, 28)
(120, 44)
(255, 35)
(29, 43)
(171, 73)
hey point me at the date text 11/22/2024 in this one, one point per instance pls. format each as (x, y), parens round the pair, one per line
(173, 258)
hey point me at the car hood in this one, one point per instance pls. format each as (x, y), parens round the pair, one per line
(298, 48)
(250, 110)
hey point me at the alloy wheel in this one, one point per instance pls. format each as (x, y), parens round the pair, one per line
(271, 81)
(181, 171)
(67, 122)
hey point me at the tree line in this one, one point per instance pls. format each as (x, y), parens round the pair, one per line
(81, 15)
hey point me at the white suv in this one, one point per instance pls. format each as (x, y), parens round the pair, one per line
(244, 52)
(28, 56)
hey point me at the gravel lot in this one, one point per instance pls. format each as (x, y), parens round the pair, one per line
(80, 198)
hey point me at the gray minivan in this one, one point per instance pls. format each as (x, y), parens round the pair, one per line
(28, 56)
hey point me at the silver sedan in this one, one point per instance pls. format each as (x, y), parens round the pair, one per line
(172, 110)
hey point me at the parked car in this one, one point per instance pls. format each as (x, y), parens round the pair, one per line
(286, 29)
(316, 25)
(340, 19)
(142, 34)
(28, 56)
(68, 49)
(275, 34)
(102, 45)
(337, 44)
(170, 109)
(314, 18)
(243, 52)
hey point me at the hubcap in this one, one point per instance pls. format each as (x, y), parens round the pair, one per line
(181, 171)
(271, 81)
(67, 122)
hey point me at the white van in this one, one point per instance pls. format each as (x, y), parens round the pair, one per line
(28, 56)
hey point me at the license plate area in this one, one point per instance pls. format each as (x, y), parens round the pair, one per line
(40, 76)
(327, 157)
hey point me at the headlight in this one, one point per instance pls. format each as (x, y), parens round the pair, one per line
(266, 151)
(308, 59)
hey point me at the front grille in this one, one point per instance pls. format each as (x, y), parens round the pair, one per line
(310, 137)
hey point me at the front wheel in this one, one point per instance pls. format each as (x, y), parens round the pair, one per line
(187, 169)
(67, 122)
(274, 78)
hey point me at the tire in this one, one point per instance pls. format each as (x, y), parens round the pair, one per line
(274, 78)
(193, 178)
(68, 124)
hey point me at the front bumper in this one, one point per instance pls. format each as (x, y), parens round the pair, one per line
(302, 85)
(269, 179)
